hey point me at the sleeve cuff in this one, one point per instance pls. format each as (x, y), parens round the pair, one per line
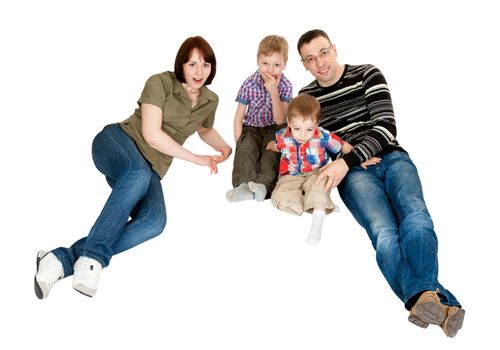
(242, 100)
(351, 159)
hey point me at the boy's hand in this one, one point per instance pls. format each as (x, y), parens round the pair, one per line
(270, 82)
(346, 147)
(271, 146)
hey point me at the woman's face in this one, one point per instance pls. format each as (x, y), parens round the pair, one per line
(196, 70)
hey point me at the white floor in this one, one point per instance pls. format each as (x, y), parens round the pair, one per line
(239, 276)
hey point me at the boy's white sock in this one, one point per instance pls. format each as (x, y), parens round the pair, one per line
(240, 193)
(259, 190)
(316, 227)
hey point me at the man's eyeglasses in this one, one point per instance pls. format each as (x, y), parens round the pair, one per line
(322, 53)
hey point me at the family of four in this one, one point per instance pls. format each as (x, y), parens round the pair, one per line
(339, 131)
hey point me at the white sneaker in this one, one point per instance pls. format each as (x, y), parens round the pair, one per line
(49, 270)
(86, 275)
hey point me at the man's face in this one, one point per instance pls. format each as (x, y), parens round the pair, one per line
(319, 58)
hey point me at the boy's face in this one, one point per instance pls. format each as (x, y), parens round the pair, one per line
(302, 129)
(271, 65)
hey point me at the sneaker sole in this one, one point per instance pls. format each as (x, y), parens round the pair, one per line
(312, 241)
(430, 312)
(454, 323)
(41, 290)
(83, 289)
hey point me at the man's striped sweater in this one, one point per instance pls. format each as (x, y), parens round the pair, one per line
(358, 108)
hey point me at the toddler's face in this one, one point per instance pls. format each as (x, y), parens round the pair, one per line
(302, 129)
(272, 65)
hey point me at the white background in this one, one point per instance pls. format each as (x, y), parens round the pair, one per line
(240, 276)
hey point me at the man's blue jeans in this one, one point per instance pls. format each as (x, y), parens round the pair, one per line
(387, 200)
(135, 210)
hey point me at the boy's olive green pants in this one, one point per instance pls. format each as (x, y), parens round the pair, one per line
(252, 162)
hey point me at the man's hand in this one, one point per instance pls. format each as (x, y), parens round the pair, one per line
(335, 172)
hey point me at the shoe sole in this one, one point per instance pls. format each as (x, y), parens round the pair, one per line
(430, 312)
(312, 241)
(83, 289)
(41, 290)
(453, 323)
(417, 321)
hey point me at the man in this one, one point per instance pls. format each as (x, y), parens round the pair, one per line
(385, 199)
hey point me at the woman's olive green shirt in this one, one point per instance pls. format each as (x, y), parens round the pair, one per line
(180, 120)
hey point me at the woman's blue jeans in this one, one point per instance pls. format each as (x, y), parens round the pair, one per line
(135, 210)
(387, 200)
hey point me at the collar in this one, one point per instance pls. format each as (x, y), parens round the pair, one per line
(257, 78)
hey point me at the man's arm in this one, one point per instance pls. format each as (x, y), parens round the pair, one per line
(383, 131)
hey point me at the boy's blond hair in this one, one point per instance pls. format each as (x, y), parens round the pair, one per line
(304, 106)
(271, 44)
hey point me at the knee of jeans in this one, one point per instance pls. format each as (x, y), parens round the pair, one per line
(140, 178)
(386, 239)
(380, 229)
(158, 225)
(387, 248)
(418, 236)
(155, 226)
(142, 173)
(417, 223)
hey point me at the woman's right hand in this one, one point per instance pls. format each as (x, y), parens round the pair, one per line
(209, 161)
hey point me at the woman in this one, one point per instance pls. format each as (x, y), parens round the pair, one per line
(134, 155)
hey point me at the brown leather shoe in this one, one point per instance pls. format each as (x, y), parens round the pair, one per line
(454, 320)
(428, 309)
(413, 318)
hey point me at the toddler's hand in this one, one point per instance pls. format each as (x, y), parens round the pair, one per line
(271, 146)
(371, 161)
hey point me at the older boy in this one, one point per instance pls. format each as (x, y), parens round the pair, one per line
(262, 105)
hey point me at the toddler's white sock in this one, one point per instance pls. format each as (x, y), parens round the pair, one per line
(316, 227)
